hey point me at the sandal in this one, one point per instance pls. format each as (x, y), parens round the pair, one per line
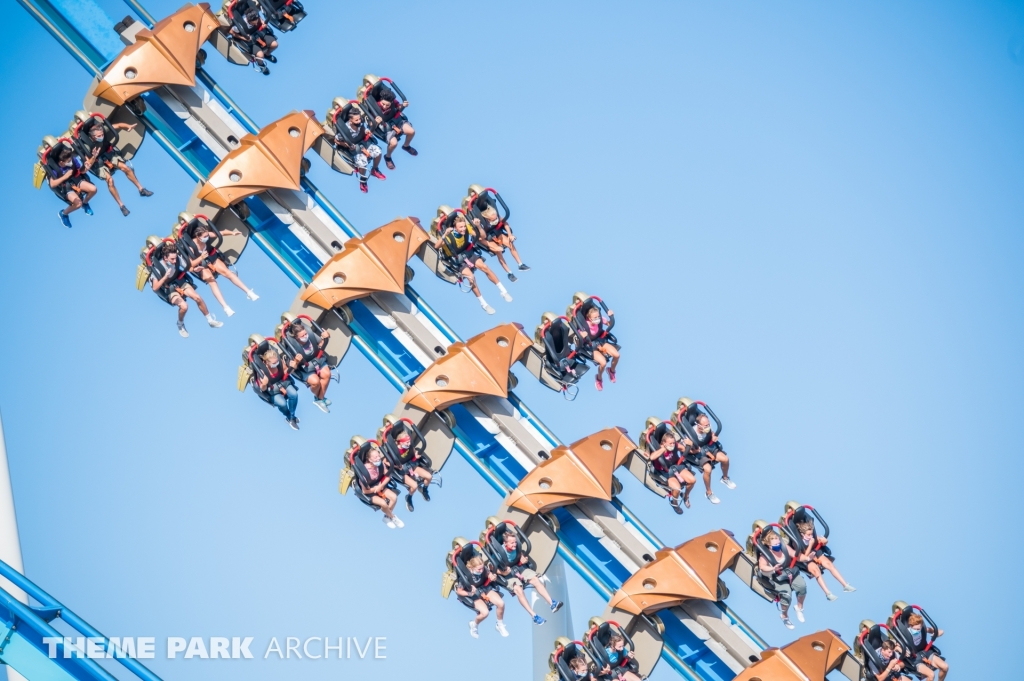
(409, 150)
(389, 163)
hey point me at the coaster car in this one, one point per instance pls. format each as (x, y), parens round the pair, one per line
(756, 549)
(254, 369)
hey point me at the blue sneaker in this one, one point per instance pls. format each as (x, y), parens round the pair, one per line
(64, 219)
(537, 619)
(87, 208)
(556, 606)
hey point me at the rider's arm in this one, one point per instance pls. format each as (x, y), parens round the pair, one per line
(440, 239)
(56, 182)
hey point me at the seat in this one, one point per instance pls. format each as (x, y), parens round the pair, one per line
(478, 200)
(457, 559)
(369, 98)
(283, 15)
(493, 540)
(869, 641)
(756, 548)
(596, 641)
(566, 652)
(290, 345)
(687, 413)
(800, 514)
(901, 632)
(582, 305)
(357, 461)
(49, 160)
(560, 357)
(652, 442)
(153, 265)
(415, 455)
(84, 144)
(257, 346)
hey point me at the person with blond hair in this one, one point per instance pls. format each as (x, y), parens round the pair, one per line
(377, 490)
(813, 560)
(777, 563)
(482, 589)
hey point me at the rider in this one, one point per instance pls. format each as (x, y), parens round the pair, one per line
(713, 453)
(457, 244)
(497, 236)
(278, 385)
(786, 580)
(517, 574)
(580, 669)
(353, 136)
(250, 29)
(68, 180)
(813, 559)
(173, 285)
(207, 263)
(622, 665)
(483, 589)
(889, 653)
(390, 115)
(378, 491)
(414, 476)
(927, 662)
(595, 328)
(670, 460)
(110, 160)
(308, 362)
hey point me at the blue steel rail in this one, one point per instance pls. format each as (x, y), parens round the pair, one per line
(39, 652)
(74, 24)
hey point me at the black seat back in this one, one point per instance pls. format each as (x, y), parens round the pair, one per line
(597, 643)
(417, 445)
(567, 653)
(901, 630)
(870, 641)
(495, 539)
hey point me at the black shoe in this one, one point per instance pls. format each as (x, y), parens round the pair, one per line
(145, 192)
(511, 277)
(271, 58)
(523, 267)
(425, 493)
(264, 70)
(408, 503)
(125, 211)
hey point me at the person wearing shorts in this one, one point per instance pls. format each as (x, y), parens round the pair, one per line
(110, 161)
(173, 286)
(357, 140)
(518, 575)
(786, 580)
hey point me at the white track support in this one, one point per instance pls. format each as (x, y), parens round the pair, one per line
(10, 544)
(558, 623)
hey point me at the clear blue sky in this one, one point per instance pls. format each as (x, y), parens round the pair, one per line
(809, 217)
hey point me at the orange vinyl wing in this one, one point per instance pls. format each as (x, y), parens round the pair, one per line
(162, 55)
(271, 159)
(479, 366)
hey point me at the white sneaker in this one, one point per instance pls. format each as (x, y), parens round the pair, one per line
(322, 406)
(398, 521)
(507, 296)
(849, 589)
(474, 630)
(799, 614)
(212, 321)
(251, 295)
(487, 308)
(228, 311)
(713, 499)
(390, 522)
(728, 482)
(181, 330)
(500, 626)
